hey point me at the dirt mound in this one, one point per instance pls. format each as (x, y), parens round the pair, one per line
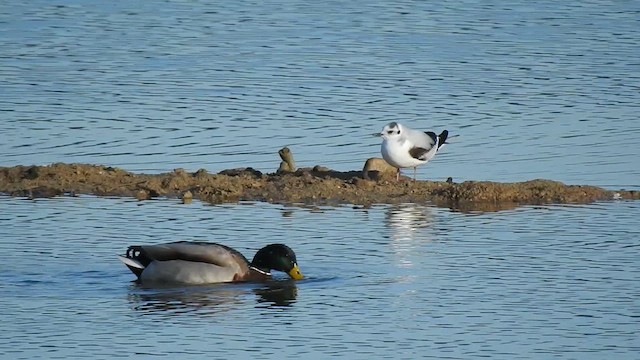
(307, 185)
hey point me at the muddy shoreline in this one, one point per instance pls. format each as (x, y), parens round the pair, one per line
(316, 185)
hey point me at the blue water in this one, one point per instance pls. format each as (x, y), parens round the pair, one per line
(545, 90)
(403, 281)
(533, 90)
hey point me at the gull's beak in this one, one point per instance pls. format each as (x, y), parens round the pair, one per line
(295, 273)
(376, 134)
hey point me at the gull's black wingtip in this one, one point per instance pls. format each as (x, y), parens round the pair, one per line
(442, 138)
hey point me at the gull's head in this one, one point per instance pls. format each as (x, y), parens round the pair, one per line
(391, 130)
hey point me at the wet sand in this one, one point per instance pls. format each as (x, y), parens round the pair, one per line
(318, 185)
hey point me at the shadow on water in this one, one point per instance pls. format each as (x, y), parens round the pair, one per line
(210, 299)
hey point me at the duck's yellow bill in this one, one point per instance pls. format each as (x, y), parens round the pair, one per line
(295, 273)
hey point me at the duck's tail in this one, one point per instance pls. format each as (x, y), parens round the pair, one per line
(132, 260)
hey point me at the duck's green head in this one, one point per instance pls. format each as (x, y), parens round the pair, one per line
(278, 257)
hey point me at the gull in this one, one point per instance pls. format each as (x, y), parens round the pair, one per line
(404, 147)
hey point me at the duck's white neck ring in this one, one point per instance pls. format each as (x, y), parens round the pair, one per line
(260, 271)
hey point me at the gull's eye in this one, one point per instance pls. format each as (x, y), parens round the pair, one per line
(390, 132)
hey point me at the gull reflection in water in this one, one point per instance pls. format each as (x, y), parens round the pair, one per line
(410, 227)
(211, 299)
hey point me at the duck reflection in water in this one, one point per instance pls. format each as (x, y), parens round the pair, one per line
(211, 299)
(278, 293)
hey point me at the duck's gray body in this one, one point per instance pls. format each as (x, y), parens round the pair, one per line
(186, 263)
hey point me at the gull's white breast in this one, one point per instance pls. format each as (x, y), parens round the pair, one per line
(396, 153)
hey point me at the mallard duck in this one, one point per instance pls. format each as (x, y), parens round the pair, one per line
(186, 262)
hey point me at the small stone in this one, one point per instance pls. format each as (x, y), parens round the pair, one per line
(201, 173)
(187, 197)
(375, 168)
(319, 168)
(143, 195)
(241, 171)
(284, 168)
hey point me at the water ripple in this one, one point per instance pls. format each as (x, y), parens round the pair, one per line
(532, 91)
(554, 280)
(544, 90)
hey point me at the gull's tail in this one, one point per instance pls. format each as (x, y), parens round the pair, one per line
(442, 138)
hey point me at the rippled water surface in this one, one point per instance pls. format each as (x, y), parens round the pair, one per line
(403, 281)
(544, 90)
(533, 89)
